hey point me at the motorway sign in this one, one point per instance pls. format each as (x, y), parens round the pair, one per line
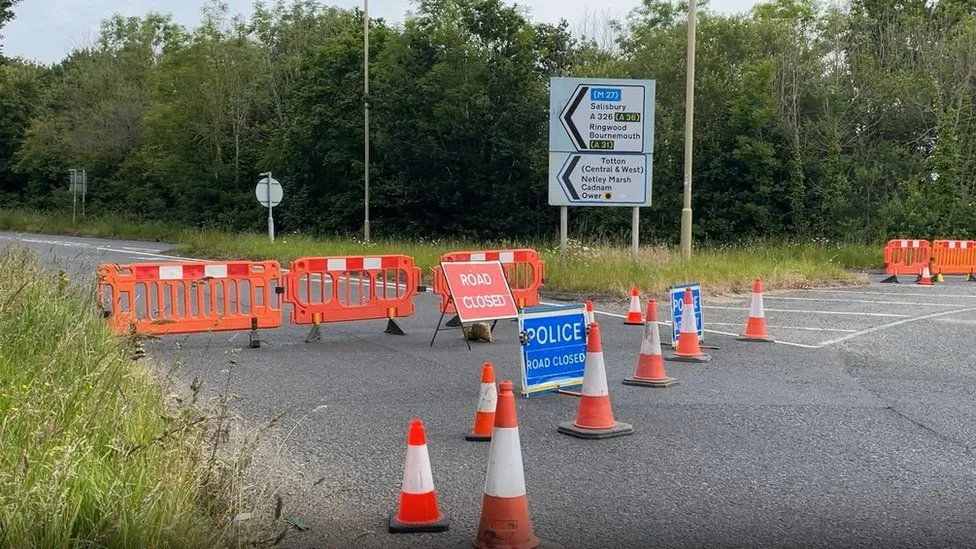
(677, 294)
(553, 347)
(598, 114)
(261, 191)
(601, 136)
(599, 179)
(479, 290)
(607, 118)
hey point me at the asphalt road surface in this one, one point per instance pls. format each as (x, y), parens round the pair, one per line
(855, 429)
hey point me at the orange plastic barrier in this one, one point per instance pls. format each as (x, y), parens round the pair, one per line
(342, 289)
(183, 298)
(523, 269)
(953, 257)
(907, 256)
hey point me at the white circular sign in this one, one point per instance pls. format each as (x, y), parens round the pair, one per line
(261, 191)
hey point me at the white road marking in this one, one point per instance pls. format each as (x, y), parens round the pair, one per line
(891, 294)
(850, 313)
(785, 327)
(871, 301)
(892, 325)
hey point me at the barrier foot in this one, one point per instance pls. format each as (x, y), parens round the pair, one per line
(454, 322)
(970, 277)
(254, 340)
(314, 334)
(893, 279)
(393, 328)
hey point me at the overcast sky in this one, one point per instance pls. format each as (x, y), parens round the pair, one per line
(46, 30)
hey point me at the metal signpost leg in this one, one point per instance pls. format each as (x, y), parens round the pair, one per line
(270, 217)
(635, 234)
(563, 233)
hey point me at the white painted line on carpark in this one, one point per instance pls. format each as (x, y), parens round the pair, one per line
(891, 294)
(850, 313)
(892, 325)
(871, 301)
(785, 327)
(665, 323)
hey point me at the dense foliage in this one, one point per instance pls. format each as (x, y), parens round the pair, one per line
(853, 123)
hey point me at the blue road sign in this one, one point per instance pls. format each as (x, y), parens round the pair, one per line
(677, 309)
(553, 347)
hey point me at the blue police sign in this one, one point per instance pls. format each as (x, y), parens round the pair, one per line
(553, 347)
(678, 306)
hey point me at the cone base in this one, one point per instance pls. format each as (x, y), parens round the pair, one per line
(474, 437)
(543, 544)
(893, 279)
(570, 428)
(661, 383)
(397, 527)
(634, 322)
(766, 339)
(692, 358)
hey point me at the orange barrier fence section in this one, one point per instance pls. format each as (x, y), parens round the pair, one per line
(523, 269)
(341, 289)
(953, 257)
(184, 298)
(907, 256)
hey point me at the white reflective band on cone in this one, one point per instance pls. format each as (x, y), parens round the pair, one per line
(756, 307)
(417, 478)
(505, 476)
(594, 376)
(689, 324)
(651, 344)
(488, 398)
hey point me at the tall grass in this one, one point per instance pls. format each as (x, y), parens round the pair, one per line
(89, 453)
(593, 268)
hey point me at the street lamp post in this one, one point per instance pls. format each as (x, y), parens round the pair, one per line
(689, 128)
(366, 112)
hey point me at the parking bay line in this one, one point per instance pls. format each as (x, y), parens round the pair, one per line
(892, 325)
(848, 313)
(890, 294)
(786, 327)
(869, 301)
(730, 334)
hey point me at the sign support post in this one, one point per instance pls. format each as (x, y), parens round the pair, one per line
(269, 194)
(563, 233)
(635, 234)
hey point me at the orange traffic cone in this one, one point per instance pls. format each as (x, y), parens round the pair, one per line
(505, 521)
(650, 362)
(590, 317)
(484, 418)
(594, 418)
(634, 316)
(926, 278)
(417, 511)
(756, 325)
(688, 349)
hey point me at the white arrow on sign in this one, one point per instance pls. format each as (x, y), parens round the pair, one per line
(605, 118)
(261, 191)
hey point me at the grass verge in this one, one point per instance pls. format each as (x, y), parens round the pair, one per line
(89, 453)
(589, 269)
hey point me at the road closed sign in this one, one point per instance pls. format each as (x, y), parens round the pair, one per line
(553, 341)
(479, 290)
